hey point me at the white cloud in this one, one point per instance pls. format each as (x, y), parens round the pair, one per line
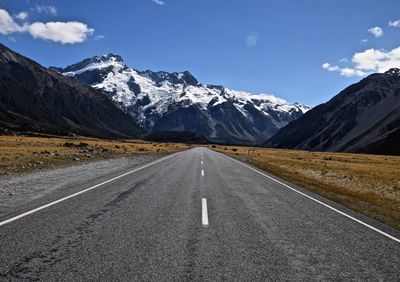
(329, 67)
(7, 23)
(377, 60)
(252, 39)
(395, 23)
(376, 31)
(63, 32)
(22, 15)
(99, 37)
(50, 10)
(368, 61)
(158, 2)
(344, 60)
(363, 41)
(347, 72)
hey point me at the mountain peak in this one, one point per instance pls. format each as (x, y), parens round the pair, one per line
(98, 62)
(175, 77)
(393, 72)
(35, 99)
(188, 78)
(176, 101)
(364, 117)
(110, 56)
(107, 59)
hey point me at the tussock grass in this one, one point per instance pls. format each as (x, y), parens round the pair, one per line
(20, 154)
(369, 184)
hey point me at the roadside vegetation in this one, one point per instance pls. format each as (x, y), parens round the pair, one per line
(19, 154)
(369, 184)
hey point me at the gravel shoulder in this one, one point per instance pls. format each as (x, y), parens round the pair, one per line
(22, 190)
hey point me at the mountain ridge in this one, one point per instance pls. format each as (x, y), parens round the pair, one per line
(364, 117)
(33, 98)
(176, 101)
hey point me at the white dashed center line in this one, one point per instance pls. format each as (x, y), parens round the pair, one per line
(204, 212)
(202, 172)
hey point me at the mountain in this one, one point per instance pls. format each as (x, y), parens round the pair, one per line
(364, 117)
(162, 101)
(177, 137)
(33, 98)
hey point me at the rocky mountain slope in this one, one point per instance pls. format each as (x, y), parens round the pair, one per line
(33, 98)
(364, 117)
(171, 102)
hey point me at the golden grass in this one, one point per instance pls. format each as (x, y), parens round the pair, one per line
(25, 154)
(369, 184)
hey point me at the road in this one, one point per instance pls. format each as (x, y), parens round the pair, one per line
(195, 215)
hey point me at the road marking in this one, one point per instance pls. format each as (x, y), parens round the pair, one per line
(81, 192)
(201, 162)
(320, 202)
(202, 172)
(204, 212)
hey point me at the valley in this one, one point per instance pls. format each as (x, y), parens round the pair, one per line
(161, 140)
(368, 184)
(103, 98)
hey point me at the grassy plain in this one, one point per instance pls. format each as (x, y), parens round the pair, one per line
(369, 184)
(19, 154)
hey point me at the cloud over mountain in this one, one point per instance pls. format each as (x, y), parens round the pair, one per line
(63, 32)
(7, 23)
(369, 61)
(71, 32)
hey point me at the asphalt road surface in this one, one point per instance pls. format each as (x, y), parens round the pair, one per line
(195, 215)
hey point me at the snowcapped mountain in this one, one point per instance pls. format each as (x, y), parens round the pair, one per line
(162, 101)
(36, 99)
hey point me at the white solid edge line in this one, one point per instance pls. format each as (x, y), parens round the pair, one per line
(321, 203)
(204, 212)
(81, 192)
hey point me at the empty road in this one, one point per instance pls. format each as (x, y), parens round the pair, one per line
(195, 215)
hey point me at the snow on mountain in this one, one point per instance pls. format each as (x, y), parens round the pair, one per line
(178, 102)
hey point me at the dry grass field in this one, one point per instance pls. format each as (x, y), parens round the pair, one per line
(20, 154)
(369, 184)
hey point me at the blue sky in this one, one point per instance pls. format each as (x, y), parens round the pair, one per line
(301, 50)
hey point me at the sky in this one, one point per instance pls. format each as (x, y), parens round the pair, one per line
(304, 51)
